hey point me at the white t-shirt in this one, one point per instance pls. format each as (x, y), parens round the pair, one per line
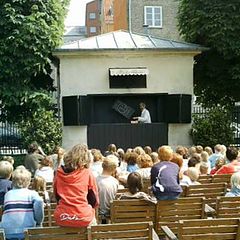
(46, 172)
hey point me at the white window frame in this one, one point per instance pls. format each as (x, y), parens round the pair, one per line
(91, 29)
(91, 16)
(153, 16)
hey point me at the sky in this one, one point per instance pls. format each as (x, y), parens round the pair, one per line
(76, 13)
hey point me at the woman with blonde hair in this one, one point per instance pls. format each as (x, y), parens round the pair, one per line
(165, 176)
(145, 164)
(75, 189)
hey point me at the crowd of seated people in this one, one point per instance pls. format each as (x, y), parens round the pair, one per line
(87, 180)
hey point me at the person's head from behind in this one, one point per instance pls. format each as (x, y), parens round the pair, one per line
(231, 153)
(154, 157)
(112, 148)
(193, 173)
(178, 159)
(218, 148)
(220, 162)
(208, 150)
(139, 150)
(165, 153)
(235, 180)
(142, 106)
(134, 182)
(192, 150)
(148, 150)
(180, 150)
(144, 161)
(9, 159)
(204, 168)
(120, 153)
(194, 161)
(204, 156)
(6, 169)
(32, 148)
(77, 157)
(131, 158)
(199, 149)
(109, 165)
(39, 184)
(21, 178)
(97, 155)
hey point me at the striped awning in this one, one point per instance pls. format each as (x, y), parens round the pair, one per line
(128, 71)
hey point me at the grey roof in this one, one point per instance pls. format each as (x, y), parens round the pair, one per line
(124, 40)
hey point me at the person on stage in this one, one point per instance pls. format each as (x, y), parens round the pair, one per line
(145, 115)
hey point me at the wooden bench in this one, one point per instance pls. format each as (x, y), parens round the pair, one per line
(48, 215)
(206, 178)
(228, 207)
(56, 233)
(2, 234)
(136, 210)
(205, 229)
(139, 231)
(169, 212)
(210, 191)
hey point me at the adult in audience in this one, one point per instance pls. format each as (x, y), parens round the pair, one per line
(33, 158)
(235, 186)
(23, 208)
(191, 177)
(75, 189)
(165, 176)
(219, 163)
(233, 165)
(217, 153)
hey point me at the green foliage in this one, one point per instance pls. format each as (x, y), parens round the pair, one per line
(29, 32)
(214, 24)
(42, 127)
(214, 127)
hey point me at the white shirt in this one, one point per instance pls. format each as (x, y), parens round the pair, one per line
(145, 116)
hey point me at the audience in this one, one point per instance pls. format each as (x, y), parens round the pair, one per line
(191, 177)
(145, 164)
(45, 169)
(96, 166)
(23, 208)
(165, 176)
(75, 190)
(39, 185)
(217, 153)
(6, 170)
(131, 159)
(219, 163)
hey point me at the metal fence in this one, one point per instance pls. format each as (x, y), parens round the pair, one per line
(10, 140)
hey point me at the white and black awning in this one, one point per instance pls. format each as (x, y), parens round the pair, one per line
(128, 71)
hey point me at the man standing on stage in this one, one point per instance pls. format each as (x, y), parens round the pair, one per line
(145, 115)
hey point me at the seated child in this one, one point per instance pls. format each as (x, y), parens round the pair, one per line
(45, 169)
(23, 208)
(39, 185)
(107, 186)
(191, 177)
(6, 170)
(235, 186)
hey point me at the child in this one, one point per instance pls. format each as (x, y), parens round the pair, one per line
(131, 159)
(75, 190)
(235, 186)
(107, 186)
(9, 159)
(39, 185)
(23, 208)
(6, 170)
(45, 169)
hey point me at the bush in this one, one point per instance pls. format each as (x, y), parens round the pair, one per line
(42, 127)
(213, 127)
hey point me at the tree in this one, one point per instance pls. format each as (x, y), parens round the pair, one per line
(214, 24)
(29, 31)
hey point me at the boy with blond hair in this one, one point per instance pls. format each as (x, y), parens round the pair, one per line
(23, 208)
(6, 170)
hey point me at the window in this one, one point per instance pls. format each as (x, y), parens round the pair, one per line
(153, 16)
(93, 29)
(92, 15)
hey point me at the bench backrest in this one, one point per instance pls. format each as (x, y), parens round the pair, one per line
(169, 212)
(2, 235)
(206, 178)
(136, 210)
(138, 231)
(206, 229)
(56, 233)
(228, 207)
(48, 215)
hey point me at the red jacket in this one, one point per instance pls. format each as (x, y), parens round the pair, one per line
(230, 168)
(73, 191)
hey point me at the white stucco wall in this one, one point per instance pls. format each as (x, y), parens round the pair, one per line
(87, 73)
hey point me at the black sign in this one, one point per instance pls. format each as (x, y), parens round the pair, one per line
(123, 109)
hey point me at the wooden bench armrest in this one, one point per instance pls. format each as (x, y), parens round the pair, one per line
(168, 232)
